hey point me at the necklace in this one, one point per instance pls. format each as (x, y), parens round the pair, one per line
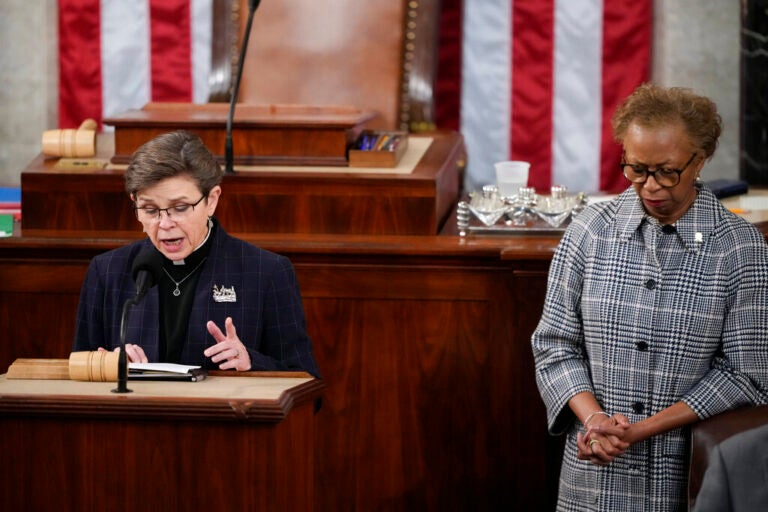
(177, 292)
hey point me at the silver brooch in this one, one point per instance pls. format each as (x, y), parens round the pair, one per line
(224, 294)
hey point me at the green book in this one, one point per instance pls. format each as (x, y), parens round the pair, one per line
(6, 224)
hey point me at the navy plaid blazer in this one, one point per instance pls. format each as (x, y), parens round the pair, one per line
(268, 312)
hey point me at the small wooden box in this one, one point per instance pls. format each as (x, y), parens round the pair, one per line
(392, 144)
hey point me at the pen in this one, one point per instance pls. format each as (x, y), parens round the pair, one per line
(393, 142)
(381, 143)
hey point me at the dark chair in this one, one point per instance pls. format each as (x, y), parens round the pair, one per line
(709, 433)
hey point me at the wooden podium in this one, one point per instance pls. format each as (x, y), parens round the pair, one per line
(261, 134)
(225, 443)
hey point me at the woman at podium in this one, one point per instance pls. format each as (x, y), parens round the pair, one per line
(219, 302)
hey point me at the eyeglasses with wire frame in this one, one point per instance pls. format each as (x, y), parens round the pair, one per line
(176, 212)
(664, 176)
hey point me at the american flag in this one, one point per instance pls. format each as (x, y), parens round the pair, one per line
(533, 80)
(116, 55)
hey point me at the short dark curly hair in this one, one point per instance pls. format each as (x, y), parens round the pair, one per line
(653, 106)
(172, 154)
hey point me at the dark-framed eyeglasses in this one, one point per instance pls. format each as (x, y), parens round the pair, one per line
(664, 176)
(176, 212)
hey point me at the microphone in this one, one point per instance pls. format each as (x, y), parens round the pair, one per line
(228, 156)
(145, 269)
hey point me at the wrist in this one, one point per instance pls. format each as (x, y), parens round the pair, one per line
(591, 416)
(638, 432)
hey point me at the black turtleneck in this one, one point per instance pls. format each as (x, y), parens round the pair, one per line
(175, 311)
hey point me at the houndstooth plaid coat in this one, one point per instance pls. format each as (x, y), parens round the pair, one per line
(643, 317)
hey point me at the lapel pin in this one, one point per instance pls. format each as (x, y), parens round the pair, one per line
(224, 294)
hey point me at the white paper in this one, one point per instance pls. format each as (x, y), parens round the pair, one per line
(161, 367)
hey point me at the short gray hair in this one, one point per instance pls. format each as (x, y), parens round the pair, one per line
(169, 155)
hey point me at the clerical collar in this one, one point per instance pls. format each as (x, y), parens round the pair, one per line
(181, 267)
(183, 261)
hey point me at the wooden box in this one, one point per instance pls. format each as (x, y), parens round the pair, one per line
(378, 149)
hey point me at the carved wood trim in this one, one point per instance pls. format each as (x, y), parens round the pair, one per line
(419, 65)
(224, 49)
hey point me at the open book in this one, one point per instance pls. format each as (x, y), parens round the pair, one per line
(165, 371)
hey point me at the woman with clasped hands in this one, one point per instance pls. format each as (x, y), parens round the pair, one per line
(656, 314)
(219, 302)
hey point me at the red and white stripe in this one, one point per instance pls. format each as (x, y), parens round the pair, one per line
(116, 55)
(540, 80)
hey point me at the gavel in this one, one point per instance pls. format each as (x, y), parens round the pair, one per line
(95, 366)
(69, 143)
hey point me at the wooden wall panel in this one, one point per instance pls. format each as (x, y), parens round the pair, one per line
(427, 381)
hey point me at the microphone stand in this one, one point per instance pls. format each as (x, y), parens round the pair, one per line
(122, 358)
(228, 151)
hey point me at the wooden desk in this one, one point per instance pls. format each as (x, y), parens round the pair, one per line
(225, 443)
(263, 199)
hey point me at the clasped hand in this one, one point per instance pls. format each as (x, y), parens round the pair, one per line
(605, 439)
(228, 350)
